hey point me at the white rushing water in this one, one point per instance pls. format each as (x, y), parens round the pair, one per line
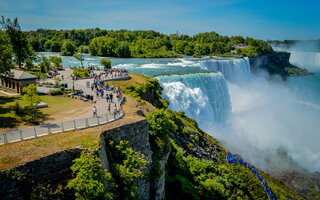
(203, 96)
(309, 60)
(233, 70)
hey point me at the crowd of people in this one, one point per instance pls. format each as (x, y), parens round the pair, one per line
(110, 92)
(110, 74)
(232, 158)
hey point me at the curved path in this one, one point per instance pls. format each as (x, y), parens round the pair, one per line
(83, 121)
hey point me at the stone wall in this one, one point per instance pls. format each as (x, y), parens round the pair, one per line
(138, 136)
(47, 170)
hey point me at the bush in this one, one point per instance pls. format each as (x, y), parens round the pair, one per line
(55, 92)
(62, 89)
(89, 178)
(126, 166)
(81, 74)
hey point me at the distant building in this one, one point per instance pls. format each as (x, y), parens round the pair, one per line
(17, 81)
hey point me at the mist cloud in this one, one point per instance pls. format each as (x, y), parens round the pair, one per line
(267, 117)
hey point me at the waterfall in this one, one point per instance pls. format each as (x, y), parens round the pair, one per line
(202, 96)
(309, 60)
(233, 70)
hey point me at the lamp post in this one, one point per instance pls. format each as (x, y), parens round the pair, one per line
(73, 83)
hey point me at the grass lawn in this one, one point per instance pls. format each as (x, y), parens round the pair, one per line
(59, 109)
(135, 80)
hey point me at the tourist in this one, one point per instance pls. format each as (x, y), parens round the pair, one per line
(62, 77)
(109, 107)
(94, 111)
(107, 97)
(115, 111)
(102, 93)
(118, 109)
(111, 96)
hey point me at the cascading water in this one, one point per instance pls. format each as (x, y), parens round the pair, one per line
(203, 96)
(233, 69)
(309, 60)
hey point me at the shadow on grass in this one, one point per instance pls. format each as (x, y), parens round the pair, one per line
(5, 100)
(8, 122)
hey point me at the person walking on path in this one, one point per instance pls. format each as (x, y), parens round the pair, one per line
(115, 111)
(111, 96)
(107, 97)
(97, 93)
(94, 111)
(118, 109)
(109, 107)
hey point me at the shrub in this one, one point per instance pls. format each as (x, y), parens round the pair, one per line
(89, 178)
(62, 88)
(81, 74)
(55, 92)
(126, 167)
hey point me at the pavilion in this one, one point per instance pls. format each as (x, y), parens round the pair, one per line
(16, 82)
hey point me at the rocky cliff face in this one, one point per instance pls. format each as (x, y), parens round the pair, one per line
(138, 137)
(18, 183)
(276, 64)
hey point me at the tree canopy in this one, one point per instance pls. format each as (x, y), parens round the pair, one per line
(145, 44)
(68, 48)
(5, 54)
(106, 63)
(56, 60)
(21, 48)
(31, 98)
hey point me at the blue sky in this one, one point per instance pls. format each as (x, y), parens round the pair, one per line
(263, 19)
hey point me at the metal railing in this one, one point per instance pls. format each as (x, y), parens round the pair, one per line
(48, 129)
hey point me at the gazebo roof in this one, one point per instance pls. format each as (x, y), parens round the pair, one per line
(21, 75)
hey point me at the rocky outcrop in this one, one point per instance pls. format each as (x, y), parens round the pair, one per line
(18, 183)
(276, 64)
(159, 183)
(137, 134)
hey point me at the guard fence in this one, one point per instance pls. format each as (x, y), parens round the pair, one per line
(48, 129)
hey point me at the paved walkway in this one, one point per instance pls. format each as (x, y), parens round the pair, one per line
(101, 103)
(80, 122)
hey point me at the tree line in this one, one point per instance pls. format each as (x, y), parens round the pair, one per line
(143, 44)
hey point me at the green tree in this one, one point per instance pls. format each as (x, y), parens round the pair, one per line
(44, 65)
(55, 46)
(31, 99)
(21, 48)
(123, 50)
(106, 63)
(56, 81)
(68, 48)
(5, 54)
(29, 64)
(79, 54)
(34, 42)
(56, 60)
(126, 167)
(47, 45)
(89, 178)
